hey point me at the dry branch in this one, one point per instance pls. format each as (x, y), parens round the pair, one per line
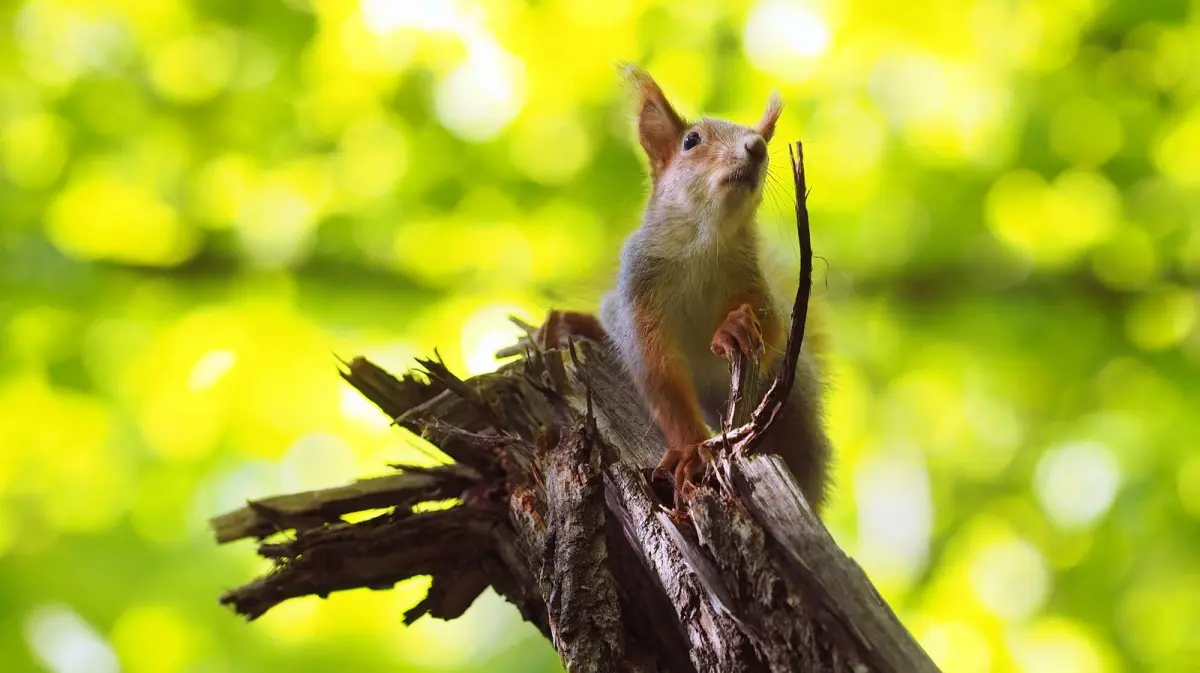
(551, 462)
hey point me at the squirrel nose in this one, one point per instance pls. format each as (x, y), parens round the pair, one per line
(755, 146)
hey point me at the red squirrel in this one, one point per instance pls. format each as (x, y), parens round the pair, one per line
(691, 290)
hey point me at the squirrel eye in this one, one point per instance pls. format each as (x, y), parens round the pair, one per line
(691, 141)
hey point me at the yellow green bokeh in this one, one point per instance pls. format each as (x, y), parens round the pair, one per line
(202, 203)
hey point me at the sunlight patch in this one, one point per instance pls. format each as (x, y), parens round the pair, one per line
(65, 643)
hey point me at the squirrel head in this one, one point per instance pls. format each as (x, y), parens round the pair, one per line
(711, 166)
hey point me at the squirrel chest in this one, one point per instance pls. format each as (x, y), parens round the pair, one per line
(691, 292)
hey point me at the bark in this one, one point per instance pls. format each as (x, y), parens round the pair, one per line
(548, 463)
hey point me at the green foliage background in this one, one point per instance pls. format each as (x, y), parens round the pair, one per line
(199, 201)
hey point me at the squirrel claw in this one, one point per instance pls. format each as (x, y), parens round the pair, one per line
(739, 333)
(682, 463)
(666, 467)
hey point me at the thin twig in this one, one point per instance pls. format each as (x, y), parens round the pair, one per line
(747, 436)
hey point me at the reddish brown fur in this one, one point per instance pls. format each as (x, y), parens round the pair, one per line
(664, 383)
(562, 324)
(766, 125)
(659, 126)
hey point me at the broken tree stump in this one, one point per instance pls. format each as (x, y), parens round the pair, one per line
(548, 464)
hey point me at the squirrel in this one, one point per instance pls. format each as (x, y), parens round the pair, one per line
(691, 291)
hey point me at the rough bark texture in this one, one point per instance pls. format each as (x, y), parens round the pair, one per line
(549, 464)
(557, 513)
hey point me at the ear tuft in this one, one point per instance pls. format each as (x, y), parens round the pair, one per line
(660, 128)
(766, 126)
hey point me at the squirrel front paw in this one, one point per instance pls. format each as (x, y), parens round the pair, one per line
(559, 325)
(683, 463)
(739, 333)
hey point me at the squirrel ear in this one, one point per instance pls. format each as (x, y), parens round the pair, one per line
(660, 128)
(766, 126)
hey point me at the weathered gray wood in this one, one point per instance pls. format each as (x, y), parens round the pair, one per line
(716, 643)
(562, 532)
(300, 510)
(829, 576)
(558, 515)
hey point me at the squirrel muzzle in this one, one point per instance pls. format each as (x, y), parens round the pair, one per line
(748, 163)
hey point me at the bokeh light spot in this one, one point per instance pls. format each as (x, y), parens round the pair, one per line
(65, 643)
(1177, 154)
(1085, 132)
(436, 644)
(600, 14)
(383, 16)
(102, 218)
(162, 496)
(563, 237)
(487, 331)
(317, 461)
(1155, 616)
(154, 639)
(1011, 578)
(1076, 483)
(373, 156)
(957, 646)
(1056, 645)
(1161, 318)
(194, 68)
(210, 368)
(690, 81)
(1053, 222)
(847, 139)
(276, 225)
(61, 41)
(482, 96)
(550, 149)
(59, 442)
(1128, 261)
(999, 428)
(492, 249)
(222, 188)
(784, 38)
(360, 410)
(895, 515)
(33, 150)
